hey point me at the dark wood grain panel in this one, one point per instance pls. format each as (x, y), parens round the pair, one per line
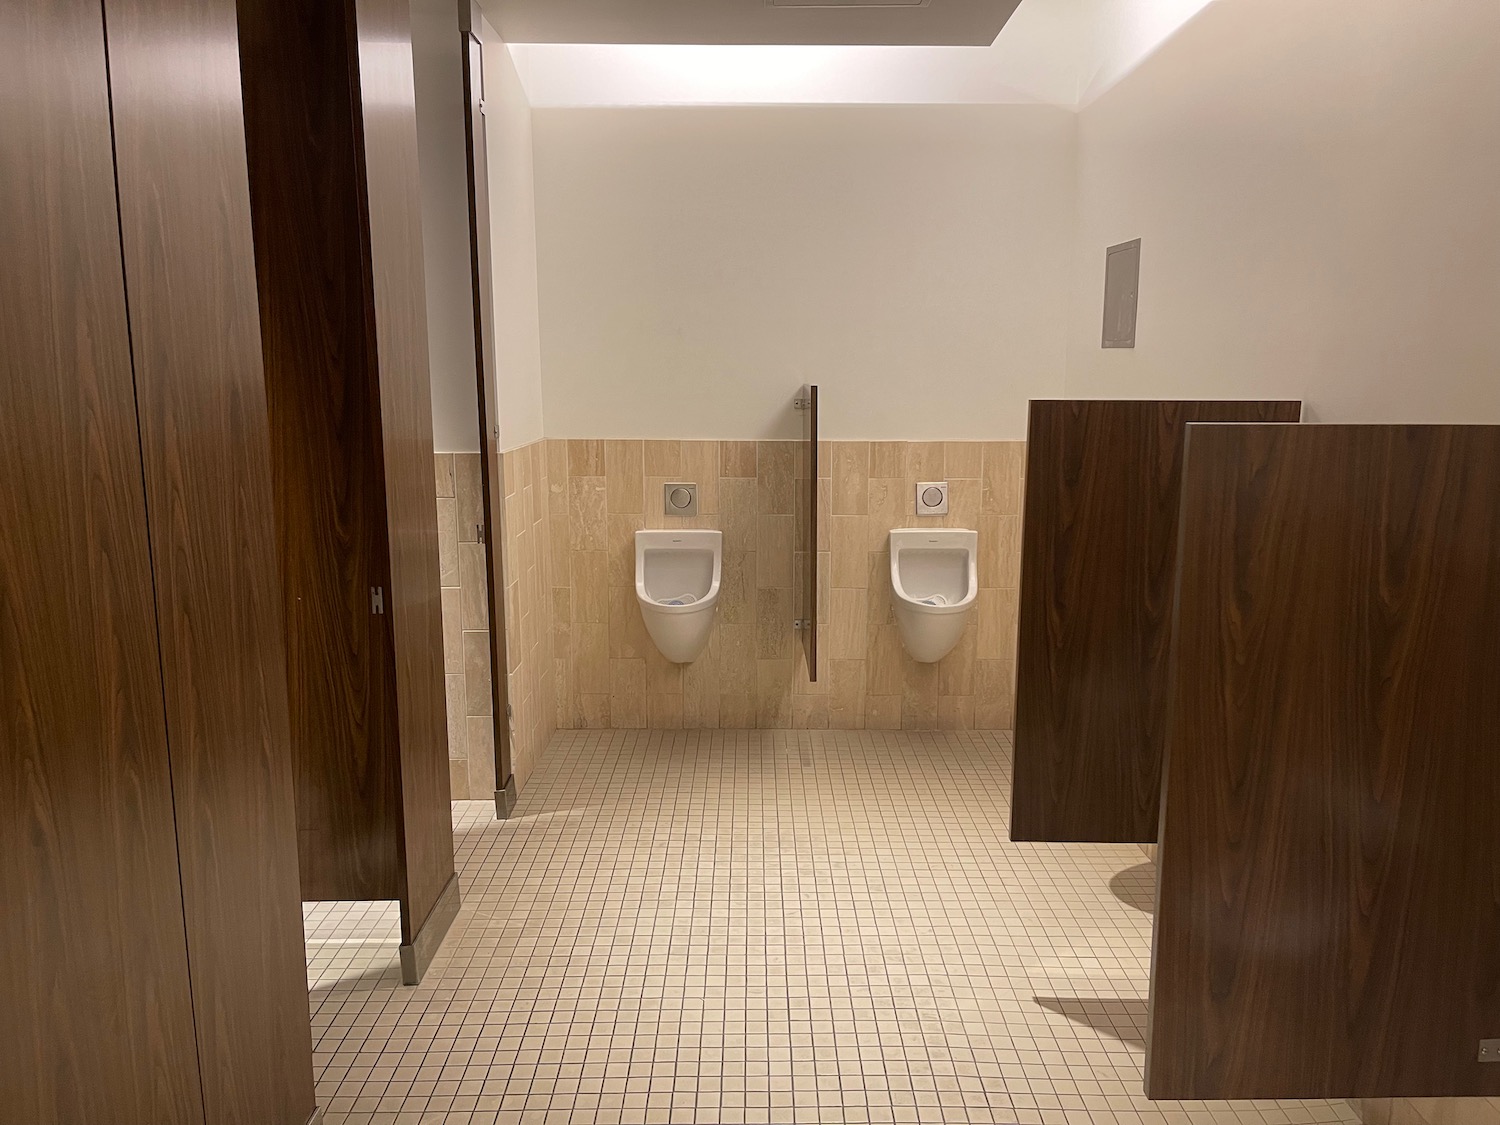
(810, 578)
(1097, 559)
(331, 133)
(1329, 904)
(492, 482)
(96, 1020)
(321, 384)
(387, 111)
(200, 389)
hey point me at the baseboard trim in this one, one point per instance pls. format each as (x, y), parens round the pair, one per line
(417, 957)
(505, 799)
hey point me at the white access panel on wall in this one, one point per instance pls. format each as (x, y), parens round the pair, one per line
(1122, 279)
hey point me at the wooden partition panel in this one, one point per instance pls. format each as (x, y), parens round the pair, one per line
(331, 136)
(190, 271)
(305, 191)
(398, 298)
(808, 544)
(1328, 914)
(1097, 559)
(96, 1020)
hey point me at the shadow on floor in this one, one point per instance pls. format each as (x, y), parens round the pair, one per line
(1124, 1020)
(370, 979)
(1136, 887)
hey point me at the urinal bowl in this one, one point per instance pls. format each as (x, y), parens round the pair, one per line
(677, 580)
(934, 584)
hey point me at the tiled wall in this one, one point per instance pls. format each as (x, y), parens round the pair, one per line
(464, 557)
(577, 649)
(1429, 1111)
(466, 640)
(528, 606)
(874, 490)
(609, 674)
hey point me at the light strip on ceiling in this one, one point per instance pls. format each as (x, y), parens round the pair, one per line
(1056, 52)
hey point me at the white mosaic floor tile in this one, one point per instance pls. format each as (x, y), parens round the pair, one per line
(754, 927)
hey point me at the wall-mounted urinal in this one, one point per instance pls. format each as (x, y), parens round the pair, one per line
(677, 576)
(935, 580)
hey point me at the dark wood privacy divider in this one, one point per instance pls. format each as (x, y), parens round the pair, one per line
(153, 967)
(810, 543)
(200, 387)
(325, 425)
(331, 135)
(1097, 559)
(92, 922)
(1328, 911)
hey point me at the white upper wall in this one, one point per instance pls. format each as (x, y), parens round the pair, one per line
(1315, 186)
(518, 349)
(978, 202)
(697, 266)
(443, 166)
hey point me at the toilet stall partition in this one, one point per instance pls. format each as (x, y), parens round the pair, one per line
(152, 969)
(338, 254)
(1098, 553)
(1328, 908)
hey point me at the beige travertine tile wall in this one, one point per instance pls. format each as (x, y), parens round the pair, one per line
(609, 674)
(466, 641)
(1428, 1111)
(528, 606)
(874, 490)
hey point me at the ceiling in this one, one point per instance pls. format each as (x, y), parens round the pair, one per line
(1053, 52)
(831, 22)
(1059, 53)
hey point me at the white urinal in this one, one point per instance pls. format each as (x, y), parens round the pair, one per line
(677, 575)
(935, 580)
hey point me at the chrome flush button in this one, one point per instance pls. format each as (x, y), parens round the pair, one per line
(932, 498)
(680, 499)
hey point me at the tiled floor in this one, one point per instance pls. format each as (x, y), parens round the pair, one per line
(758, 927)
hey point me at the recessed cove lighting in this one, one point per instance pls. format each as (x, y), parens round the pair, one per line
(1056, 52)
(848, 3)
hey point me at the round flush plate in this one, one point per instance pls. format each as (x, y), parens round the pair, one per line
(679, 498)
(932, 498)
